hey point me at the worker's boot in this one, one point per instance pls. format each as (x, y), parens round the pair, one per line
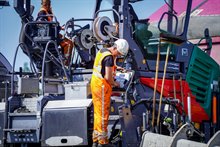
(106, 145)
(95, 144)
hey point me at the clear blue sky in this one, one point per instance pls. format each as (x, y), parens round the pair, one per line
(10, 23)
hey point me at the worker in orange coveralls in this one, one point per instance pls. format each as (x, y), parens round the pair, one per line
(65, 43)
(101, 87)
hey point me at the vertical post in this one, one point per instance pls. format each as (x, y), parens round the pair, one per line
(189, 107)
(214, 112)
(174, 86)
(6, 111)
(186, 23)
(181, 90)
(144, 122)
(6, 89)
(170, 17)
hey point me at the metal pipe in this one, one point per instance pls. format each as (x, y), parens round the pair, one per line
(105, 10)
(214, 110)
(44, 57)
(174, 86)
(181, 91)
(186, 23)
(144, 121)
(13, 68)
(170, 17)
(126, 92)
(189, 108)
(147, 117)
(6, 111)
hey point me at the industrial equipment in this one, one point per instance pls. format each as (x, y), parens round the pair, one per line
(168, 95)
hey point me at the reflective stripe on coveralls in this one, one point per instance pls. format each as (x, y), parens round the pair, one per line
(101, 93)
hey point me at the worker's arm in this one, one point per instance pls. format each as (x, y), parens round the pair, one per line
(109, 76)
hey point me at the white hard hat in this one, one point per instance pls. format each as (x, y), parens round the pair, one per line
(122, 46)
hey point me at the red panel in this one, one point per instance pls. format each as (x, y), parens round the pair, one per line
(198, 113)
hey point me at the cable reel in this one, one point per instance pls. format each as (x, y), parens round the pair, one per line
(99, 28)
(85, 39)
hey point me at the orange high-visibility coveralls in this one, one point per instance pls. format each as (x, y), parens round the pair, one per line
(101, 96)
(66, 44)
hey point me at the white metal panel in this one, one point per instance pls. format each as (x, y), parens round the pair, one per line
(69, 103)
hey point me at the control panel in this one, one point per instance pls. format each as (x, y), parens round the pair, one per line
(20, 136)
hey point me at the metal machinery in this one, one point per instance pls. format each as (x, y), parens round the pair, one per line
(169, 95)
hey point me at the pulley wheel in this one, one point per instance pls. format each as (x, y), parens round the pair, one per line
(99, 28)
(85, 39)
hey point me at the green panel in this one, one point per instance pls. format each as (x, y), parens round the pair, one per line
(202, 71)
(142, 34)
(148, 43)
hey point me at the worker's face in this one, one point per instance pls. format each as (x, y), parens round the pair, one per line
(115, 52)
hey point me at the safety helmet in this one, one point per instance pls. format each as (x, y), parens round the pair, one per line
(122, 46)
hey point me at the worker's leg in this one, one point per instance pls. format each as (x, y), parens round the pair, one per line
(96, 97)
(103, 137)
(96, 104)
(101, 93)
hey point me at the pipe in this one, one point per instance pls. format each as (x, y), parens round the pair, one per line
(170, 17)
(214, 110)
(6, 111)
(181, 90)
(144, 121)
(174, 86)
(44, 58)
(186, 23)
(13, 69)
(189, 108)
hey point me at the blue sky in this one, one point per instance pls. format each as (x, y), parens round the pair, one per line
(10, 23)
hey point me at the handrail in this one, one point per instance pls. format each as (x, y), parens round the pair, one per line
(131, 79)
(44, 58)
(168, 13)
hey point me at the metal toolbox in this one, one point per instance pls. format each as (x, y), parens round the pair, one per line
(65, 123)
(77, 90)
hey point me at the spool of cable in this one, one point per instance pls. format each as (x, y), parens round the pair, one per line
(99, 28)
(85, 39)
